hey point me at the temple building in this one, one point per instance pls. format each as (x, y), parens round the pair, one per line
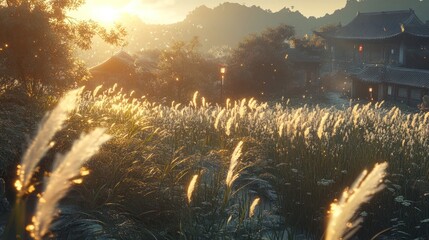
(385, 55)
(119, 69)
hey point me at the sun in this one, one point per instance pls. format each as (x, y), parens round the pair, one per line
(109, 13)
(106, 15)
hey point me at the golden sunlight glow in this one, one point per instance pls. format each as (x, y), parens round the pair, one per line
(106, 14)
(30, 227)
(18, 185)
(31, 189)
(84, 171)
(78, 181)
(109, 12)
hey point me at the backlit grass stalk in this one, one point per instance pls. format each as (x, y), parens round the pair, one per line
(253, 207)
(232, 174)
(191, 187)
(321, 128)
(66, 168)
(343, 222)
(42, 142)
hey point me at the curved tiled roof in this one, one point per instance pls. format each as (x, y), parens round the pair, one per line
(380, 25)
(409, 77)
(121, 58)
(418, 30)
(396, 75)
(370, 73)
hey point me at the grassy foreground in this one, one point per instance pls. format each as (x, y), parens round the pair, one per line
(171, 172)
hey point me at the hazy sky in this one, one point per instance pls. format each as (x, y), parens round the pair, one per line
(169, 11)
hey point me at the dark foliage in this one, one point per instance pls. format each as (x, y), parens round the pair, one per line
(257, 68)
(36, 44)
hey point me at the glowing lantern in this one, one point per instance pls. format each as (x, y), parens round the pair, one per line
(223, 70)
(360, 48)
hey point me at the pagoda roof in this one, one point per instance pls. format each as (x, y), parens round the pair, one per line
(396, 75)
(119, 60)
(370, 74)
(379, 26)
(409, 77)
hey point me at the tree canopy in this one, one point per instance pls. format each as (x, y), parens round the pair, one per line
(182, 70)
(258, 67)
(37, 39)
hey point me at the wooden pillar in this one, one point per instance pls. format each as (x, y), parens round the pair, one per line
(381, 91)
(402, 53)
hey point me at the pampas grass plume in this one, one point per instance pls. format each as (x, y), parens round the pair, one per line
(218, 117)
(232, 175)
(194, 99)
(253, 207)
(321, 128)
(51, 124)
(343, 222)
(65, 169)
(191, 187)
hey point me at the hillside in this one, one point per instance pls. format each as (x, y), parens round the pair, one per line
(229, 23)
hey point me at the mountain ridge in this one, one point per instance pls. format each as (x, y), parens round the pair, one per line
(229, 23)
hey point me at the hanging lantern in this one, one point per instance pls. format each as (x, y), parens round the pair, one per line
(360, 48)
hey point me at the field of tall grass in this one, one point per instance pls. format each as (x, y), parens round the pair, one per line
(243, 170)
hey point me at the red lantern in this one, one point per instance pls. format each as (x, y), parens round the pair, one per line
(360, 48)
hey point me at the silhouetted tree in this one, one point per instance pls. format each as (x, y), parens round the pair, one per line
(317, 41)
(314, 44)
(257, 68)
(37, 39)
(182, 71)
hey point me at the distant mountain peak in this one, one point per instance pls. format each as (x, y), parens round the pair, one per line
(229, 23)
